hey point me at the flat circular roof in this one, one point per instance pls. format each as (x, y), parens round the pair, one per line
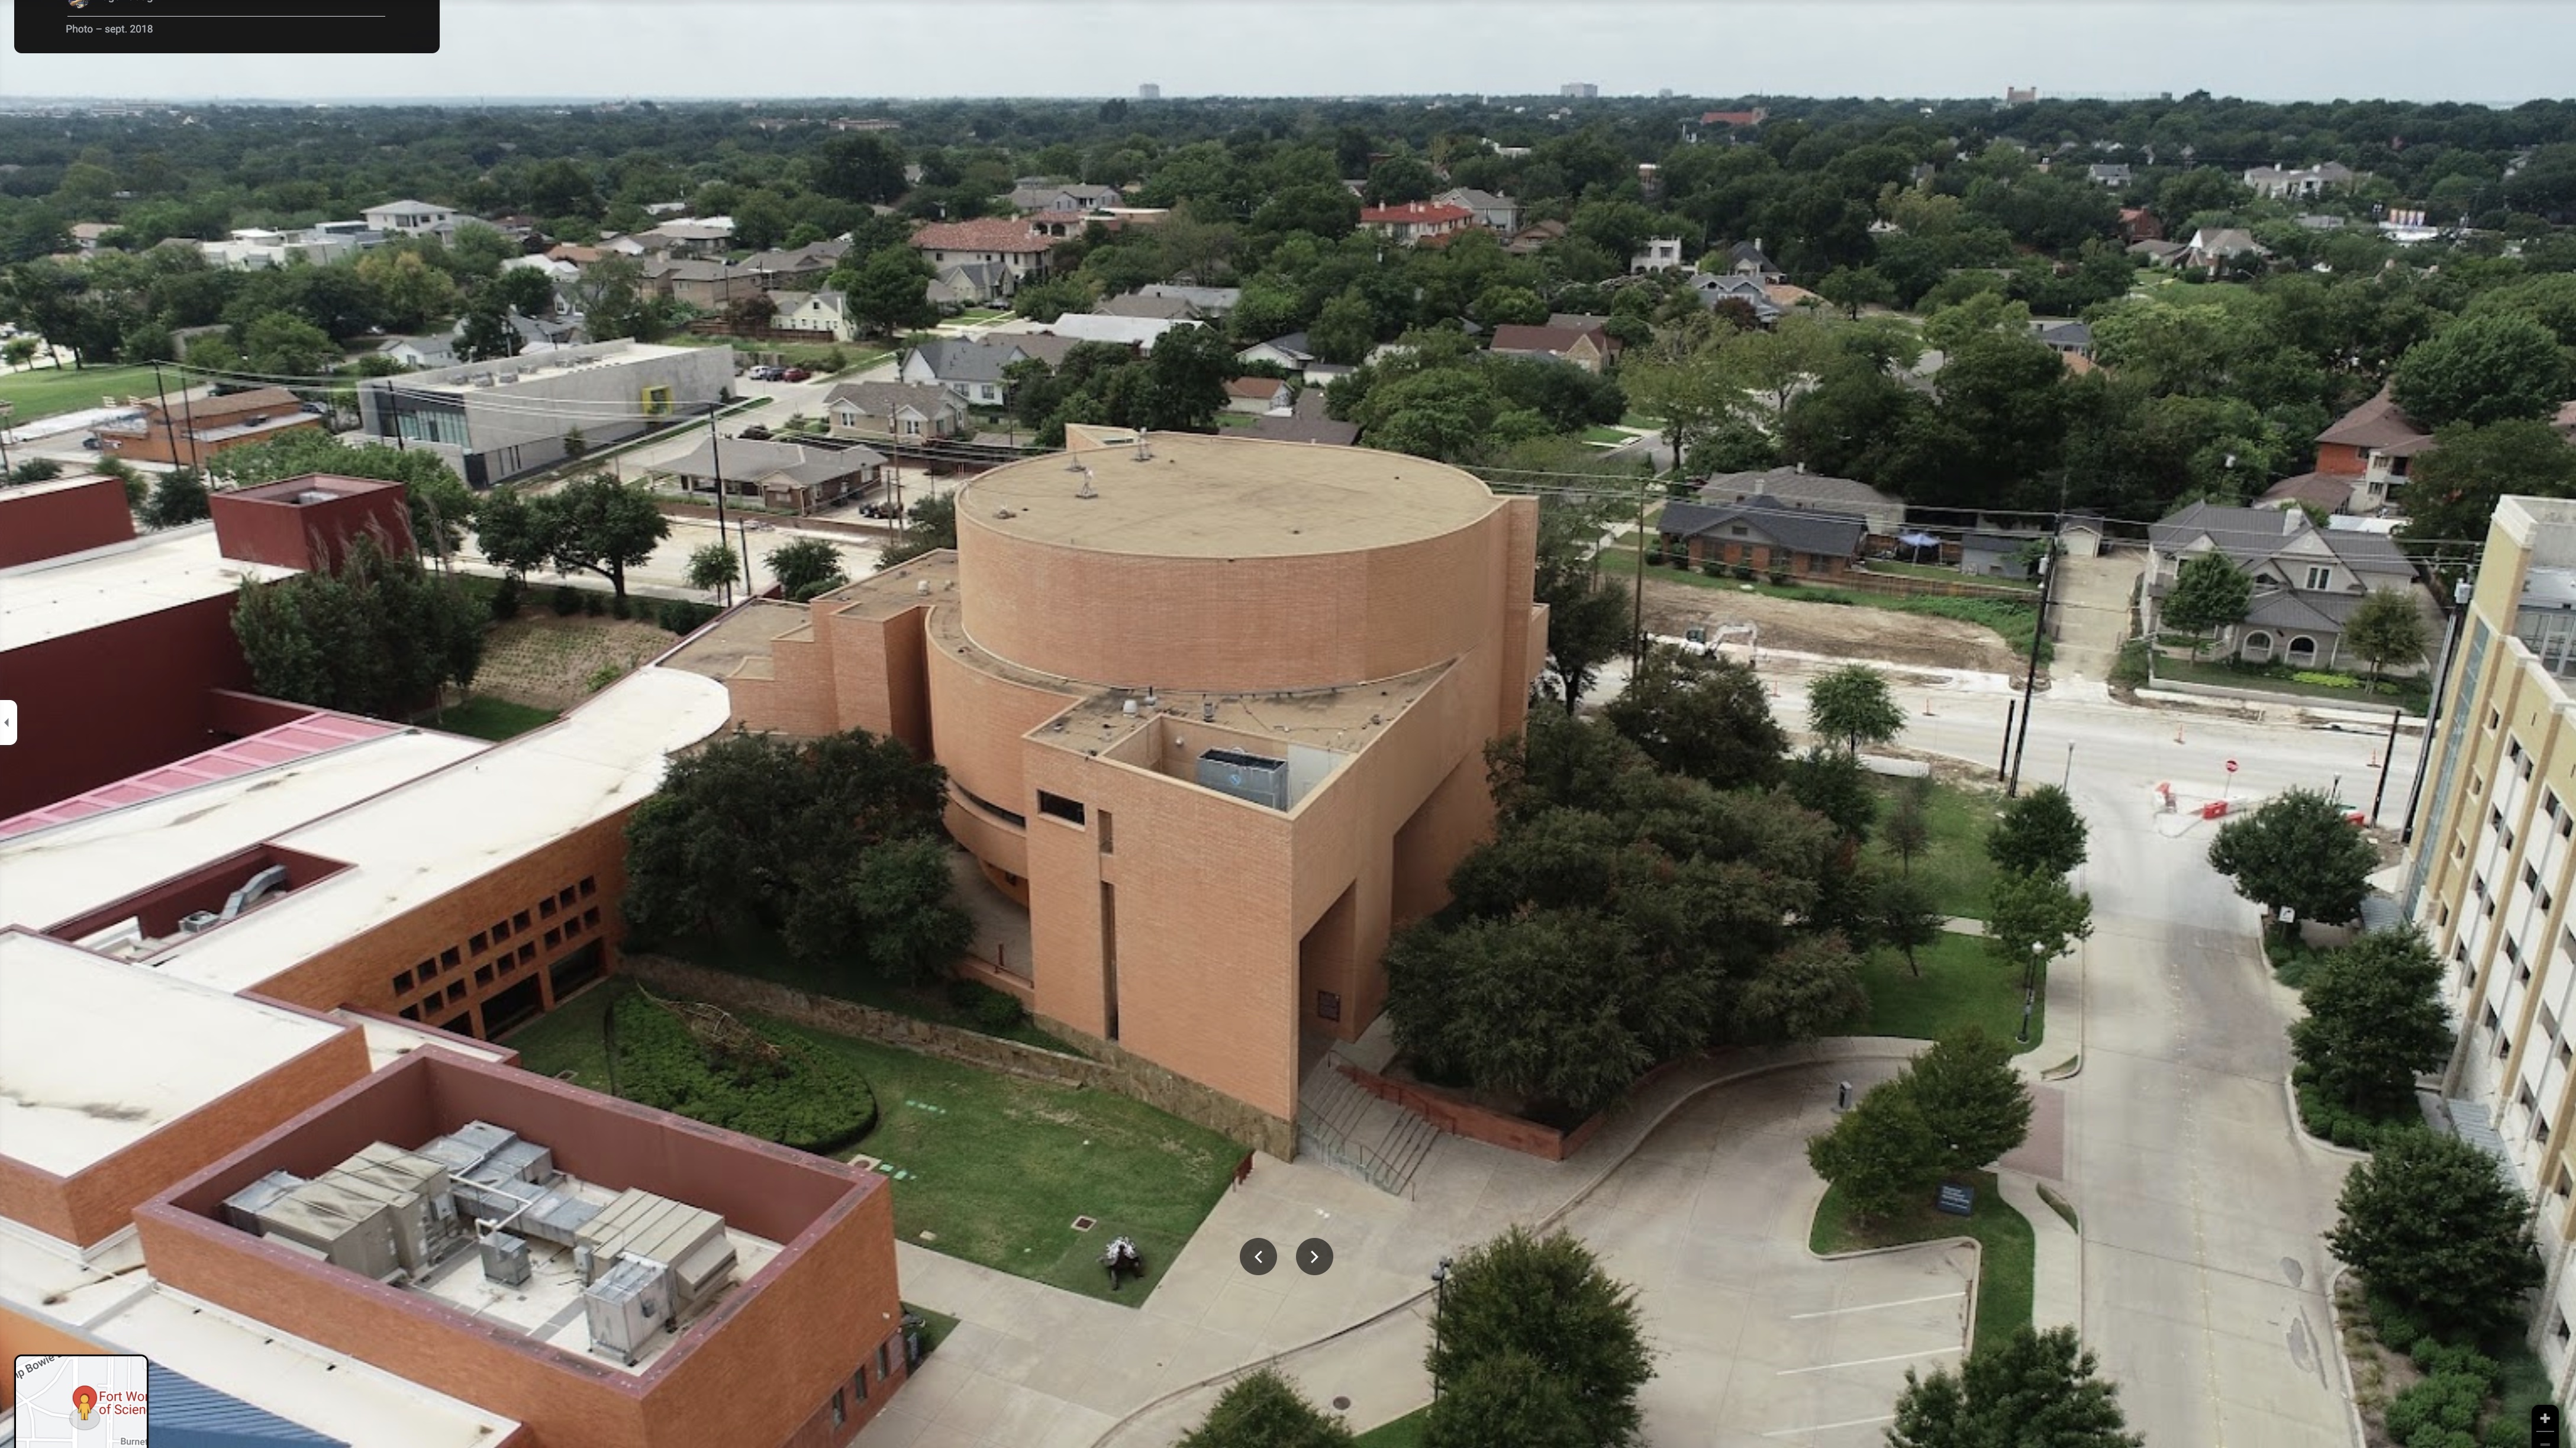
(1201, 496)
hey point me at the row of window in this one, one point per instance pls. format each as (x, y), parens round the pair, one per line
(841, 1397)
(564, 902)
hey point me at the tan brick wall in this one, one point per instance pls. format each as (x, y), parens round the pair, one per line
(360, 971)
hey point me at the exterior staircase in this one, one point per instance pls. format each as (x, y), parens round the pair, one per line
(1377, 1141)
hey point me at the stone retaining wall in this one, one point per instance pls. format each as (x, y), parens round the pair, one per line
(1112, 1069)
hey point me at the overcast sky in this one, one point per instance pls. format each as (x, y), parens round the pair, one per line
(2299, 50)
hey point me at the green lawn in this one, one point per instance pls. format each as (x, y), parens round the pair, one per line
(1953, 866)
(2407, 694)
(989, 1168)
(46, 391)
(764, 958)
(486, 717)
(1947, 575)
(2010, 618)
(1608, 435)
(1404, 1432)
(2003, 1275)
(1642, 423)
(1961, 985)
(973, 315)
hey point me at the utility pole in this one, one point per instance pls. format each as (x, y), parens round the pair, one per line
(2433, 710)
(2003, 761)
(2387, 757)
(715, 459)
(2030, 679)
(169, 435)
(1638, 660)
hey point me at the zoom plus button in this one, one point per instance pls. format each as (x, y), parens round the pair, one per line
(1259, 1256)
(1314, 1256)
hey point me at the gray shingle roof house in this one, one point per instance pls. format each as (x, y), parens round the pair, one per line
(1208, 302)
(1815, 492)
(1764, 533)
(970, 369)
(2307, 579)
(1136, 304)
(1306, 422)
(1292, 351)
(780, 474)
(1716, 287)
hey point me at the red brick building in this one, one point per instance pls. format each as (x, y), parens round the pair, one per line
(189, 430)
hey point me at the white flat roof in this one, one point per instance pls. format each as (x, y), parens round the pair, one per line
(417, 842)
(72, 595)
(95, 1054)
(105, 1295)
(389, 1041)
(52, 485)
(68, 870)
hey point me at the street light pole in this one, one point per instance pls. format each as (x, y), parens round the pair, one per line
(1439, 1301)
(2030, 677)
(2030, 988)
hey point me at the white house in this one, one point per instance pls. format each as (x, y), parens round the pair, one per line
(1258, 396)
(894, 409)
(408, 217)
(827, 312)
(1138, 332)
(1662, 253)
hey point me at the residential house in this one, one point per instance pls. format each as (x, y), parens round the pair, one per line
(1765, 535)
(1661, 253)
(2071, 339)
(827, 312)
(1209, 303)
(1043, 346)
(1136, 304)
(1415, 220)
(2158, 252)
(578, 256)
(548, 334)
(2139, 224)
(778, 474)
(251, 248)
(1993, 555)
(2307, 580)
(708, 285)
(2082, 535)
(1137, 332)
(1257, 396)
(1734, 119)
(2212, 246)
(692, 238)
(1501, 213)
(86, 234)
(407, 217)
(418, 351)
(969, 284)
(2276, 182)
(1746, 259)
(2114, 175)
(1795, 487)
(1306, 421)
(1293, 352)
(1717, 287)
(2320, 221)
(1589, 349)
(1534, 238)
(972, 371)
(1020, 252)
(900, 410)
(1037, 195)
(2361, 460)
(798, 268)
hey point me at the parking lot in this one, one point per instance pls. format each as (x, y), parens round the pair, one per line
(1759, 1342)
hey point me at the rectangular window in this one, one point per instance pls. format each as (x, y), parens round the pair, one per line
(1108, 840)
(2320, 578)
(554, 937)
(450, 957)
(482, 942)
(482, 976)
(546, 908)
(409, 1013)
(402, 982)
(455, 990)
(859, 1382)
(589, 887)
(519, 921)
(1056, 805)
(500, 930)
(840, 1406)
(590, 918)
(527, 952)
(885, 1360)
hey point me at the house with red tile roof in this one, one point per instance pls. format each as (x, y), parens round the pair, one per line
(1004, 241)
(1415, 220)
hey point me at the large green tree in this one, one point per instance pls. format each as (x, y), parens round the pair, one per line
(1881, 1155)
(1590, 618)
(2209, 593)
(805, 567)
(2033, 1388)
(2040, 834)
(2297, 850)
(2482, 369)
(2386, 628)
(2453, 490)
(1508, 1400)
(1545, 1302)
(376, 634)
(1853, 706)
(1265, 1410)
(2374, 1023)
(593, 524)
(1707, 718)
(2035, 917)
(2434, 1223)
(441, 505)
(1973, 1101)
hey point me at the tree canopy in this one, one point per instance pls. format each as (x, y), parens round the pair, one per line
(1265, 1410)
(1706, 718)
(377, 634)
(2034, 1387)
(593, 524)
(2374, 1023)
(2433, 1222)
(2209, 593)
(1524, 1307)
(2297, 850)
(1854, 706)
(2040, 834)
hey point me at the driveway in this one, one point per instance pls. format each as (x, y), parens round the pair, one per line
(2092, 607)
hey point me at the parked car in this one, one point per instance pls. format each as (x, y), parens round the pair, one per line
(794, 374)
(755, 433)
(762, 374)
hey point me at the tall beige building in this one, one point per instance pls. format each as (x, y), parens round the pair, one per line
(1213, 709)
(2493, 873)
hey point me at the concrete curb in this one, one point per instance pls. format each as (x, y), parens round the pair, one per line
(2334, 1319)
(1809, 1053)
(1976, 1251)
(2299, 1129)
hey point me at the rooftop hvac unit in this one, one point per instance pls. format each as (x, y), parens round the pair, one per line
(243, 1207)
(197, 920)
(505, 1259)
(627, 1304)
(1246, 776)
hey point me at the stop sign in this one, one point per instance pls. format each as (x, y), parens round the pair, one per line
(2231, 766)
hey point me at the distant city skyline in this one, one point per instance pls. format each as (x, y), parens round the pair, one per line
(2483, 52)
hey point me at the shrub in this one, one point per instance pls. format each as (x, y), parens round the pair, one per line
(2439, 1412)
(593, 605)
(621, 606)
(2330, 1120)
(603, 676)
(505, 597)
(2396, 1328)
(1743, 572)
(567, 599)
(801, 1096)
(1780, 579)
(2324, 680)
(681, 616)
(1712, 568)
(987, 1009)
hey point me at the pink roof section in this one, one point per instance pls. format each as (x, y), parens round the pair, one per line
(283, 744)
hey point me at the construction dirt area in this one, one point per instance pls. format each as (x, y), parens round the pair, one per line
(1841, 630)
(550, 662)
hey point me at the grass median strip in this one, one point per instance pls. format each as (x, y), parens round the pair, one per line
(2004, 1267)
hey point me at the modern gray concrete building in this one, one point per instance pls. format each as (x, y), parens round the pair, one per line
(495, 420)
